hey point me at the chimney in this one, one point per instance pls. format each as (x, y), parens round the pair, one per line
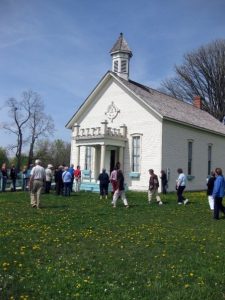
(197, 102)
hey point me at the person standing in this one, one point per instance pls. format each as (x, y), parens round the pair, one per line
(25, 178)
(4, 176)
(210, 185)
(49, 176)
(13, 176)
(77, 176)
(164, 181)
(103, 184)
(120, 191)
(218, 193)
(59, 181)
(71, 170)
(66, 177)
(180, 186)
(37, 181)
(153, 187)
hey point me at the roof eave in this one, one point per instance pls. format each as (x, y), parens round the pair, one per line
(69, 125)
(193, 126)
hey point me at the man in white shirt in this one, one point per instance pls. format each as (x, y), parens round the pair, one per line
(49, 176)
(180, 186)
(37, 181)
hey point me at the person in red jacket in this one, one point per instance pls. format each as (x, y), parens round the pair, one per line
(77, 178)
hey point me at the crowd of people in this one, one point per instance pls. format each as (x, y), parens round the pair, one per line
(37, 180)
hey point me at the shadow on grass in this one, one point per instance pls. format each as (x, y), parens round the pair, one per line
(54, 206)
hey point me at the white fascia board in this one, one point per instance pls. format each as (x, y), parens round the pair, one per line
(87, 101)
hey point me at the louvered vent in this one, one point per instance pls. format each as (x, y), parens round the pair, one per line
(116, 66)
(124, 66)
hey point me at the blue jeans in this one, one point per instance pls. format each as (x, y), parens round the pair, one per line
(180, 197)
(67, 186)
(218, 206)
(4, 182)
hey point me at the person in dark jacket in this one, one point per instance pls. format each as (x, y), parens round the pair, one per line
(218, 193)
(59, 180)
(210, 185)
(120, 191)
(153, 188)
(164, 181)
(103, 184)
(13, 176)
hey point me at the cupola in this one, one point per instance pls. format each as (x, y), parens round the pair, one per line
(121, 55)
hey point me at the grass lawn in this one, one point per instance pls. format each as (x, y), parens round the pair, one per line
(82, 248)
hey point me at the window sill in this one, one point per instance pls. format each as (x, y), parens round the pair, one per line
(134, 174)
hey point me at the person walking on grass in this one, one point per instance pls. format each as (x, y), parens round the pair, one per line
(180, 186)
(103, 184)
(113, 180)
(153, 187)
(210, 185)
(120, 190)
(37, 181)
(218, 193)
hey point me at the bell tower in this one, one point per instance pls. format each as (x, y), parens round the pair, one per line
(121, 55)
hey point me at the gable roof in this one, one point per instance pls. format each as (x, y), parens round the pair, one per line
(173, 109)
(167, 107)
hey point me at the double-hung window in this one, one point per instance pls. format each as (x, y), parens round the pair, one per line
(136, 150)
(190, 154)
(209, 158)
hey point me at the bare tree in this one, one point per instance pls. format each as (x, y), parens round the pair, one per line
(201, 74)
(39, 125)
(20, 112)
(29, 122)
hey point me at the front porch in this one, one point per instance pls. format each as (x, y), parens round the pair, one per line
(107, 147)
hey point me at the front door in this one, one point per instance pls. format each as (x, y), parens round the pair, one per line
(112, 160)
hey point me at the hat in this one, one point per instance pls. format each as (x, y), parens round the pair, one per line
(50, 166)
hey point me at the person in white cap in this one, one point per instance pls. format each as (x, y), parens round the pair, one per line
(37, 180)
(49, 176)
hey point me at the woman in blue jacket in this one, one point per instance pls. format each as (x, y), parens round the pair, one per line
(218, 193)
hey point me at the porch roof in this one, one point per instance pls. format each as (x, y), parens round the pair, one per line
(103, 139)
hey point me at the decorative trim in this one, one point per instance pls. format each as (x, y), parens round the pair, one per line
(112, 112)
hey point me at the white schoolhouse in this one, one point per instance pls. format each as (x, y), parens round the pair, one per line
(142, 128)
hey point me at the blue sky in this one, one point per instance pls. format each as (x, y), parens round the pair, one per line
(60, 48)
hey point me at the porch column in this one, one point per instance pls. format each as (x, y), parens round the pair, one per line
(95, 164)
(77, 158)
(76, 128)
(121, 154)
(102, 162)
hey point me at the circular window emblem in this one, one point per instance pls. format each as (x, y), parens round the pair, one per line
(112, 112)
